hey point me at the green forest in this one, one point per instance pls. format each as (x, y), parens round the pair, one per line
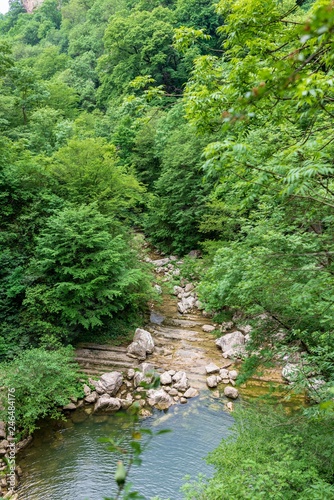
(201, 125)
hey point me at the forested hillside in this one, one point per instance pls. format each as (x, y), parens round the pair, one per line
(204, 126)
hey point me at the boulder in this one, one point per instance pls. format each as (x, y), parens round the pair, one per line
(246, 329)
(87, 390)
(290, 372)
(70, 406)
(107, 403)
(177, 290)
(159, 398)
(109, 383)
(232, 344)
(91, 398)
(212, 381)
(183, 384)
(233, 374)
(208, 328)
(226, 326)
(165, 378)
(136, 350)
(145, 338)
(2, 430)
(194, 254)
(224, 374)
(189, 287)
(191, 393)
(24, 443)
(178, 375)
(183, 400)
(229, 406)
(160, 262)
(173, 392)
(211, 368)
(186, 304)
(127, 402)
(144, 374)
(231, 392)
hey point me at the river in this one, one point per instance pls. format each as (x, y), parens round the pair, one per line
(70, 463)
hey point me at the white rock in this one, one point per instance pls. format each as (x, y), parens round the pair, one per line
(191, 393)
(158, 289)
(178, 375)
(232, 344)
(186, 304)
(70, 406)
(246, 329)
(178, 290)
(136, 350)
(144, 337)
(144, 374)
(160, 262)
(231, 392)
(181, 307)
(87, 390)
(233, 374)
(127, 402)
(211, 368)
(189, 287)
(173, 392)
(208, 328)
(171, 372)
(165, 378)
(226, 325)
(130, 374)
(107, 403)
(182, 384)
(183, 400)
(159, 398)
(212, 381)
(91, 398)
(225, 374)
(109, 383)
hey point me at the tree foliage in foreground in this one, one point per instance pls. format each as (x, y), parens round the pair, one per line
(270, 455)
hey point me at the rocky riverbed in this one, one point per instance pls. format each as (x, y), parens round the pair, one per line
(176, 347)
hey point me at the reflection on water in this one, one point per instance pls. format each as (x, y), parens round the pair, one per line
(69, 463)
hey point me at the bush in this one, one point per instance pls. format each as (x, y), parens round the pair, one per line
(43, 381)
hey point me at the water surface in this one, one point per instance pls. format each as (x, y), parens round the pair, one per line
(69, 463)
